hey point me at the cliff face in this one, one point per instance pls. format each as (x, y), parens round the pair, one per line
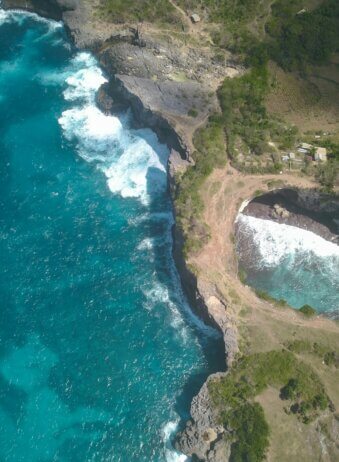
(161, 80)
(203, 438)
(306, 209)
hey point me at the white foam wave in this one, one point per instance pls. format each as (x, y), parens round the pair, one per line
(138, 172)
(96, 134)
(158, 293)
(133, 162)
(276, 241)
(19, 16)
(85, 80)
(171, 454)
(146, 244)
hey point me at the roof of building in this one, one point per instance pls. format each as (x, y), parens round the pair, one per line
(195, 17)
(306, 146)
(320, 150)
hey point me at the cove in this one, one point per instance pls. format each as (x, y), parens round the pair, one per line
(100, 353)
(289, 263)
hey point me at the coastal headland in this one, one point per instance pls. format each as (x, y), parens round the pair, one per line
(170, 80)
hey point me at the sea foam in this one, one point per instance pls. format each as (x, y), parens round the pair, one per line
(171, 455)
(19, 16)
(275, 241)
(134, 162)
(289, 263)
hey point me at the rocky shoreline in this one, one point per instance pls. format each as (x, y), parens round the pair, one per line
(305, 209)
(161, 82)
(142, 76)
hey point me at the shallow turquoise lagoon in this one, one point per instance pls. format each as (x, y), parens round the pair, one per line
(289, 263)
(100, 354)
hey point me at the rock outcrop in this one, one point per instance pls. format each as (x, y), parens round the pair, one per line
(203, 438)
(168, 84)
(306, 209)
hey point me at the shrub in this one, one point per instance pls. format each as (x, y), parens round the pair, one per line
(254, 373)
(210, 144)
(193, 112)
(252, 433)
(307, 311)
(264, 295)
(291, 390)
(327, 174)
(331, 358)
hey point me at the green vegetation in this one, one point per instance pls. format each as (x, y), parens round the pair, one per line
(327, 174)
(244, 114)
(251, 428)
(268, 298)
(328, 356)
(307, 311)
(120, 11)
(242, 276)
(233, 396)
(299, 37)
(245, 118)
(188, 202)
(193, 112)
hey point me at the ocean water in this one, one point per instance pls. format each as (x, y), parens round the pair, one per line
(100, 354)
(289, 263)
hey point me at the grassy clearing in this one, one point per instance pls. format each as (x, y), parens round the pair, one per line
(233, 396)
(156, 11)
(210, 143)
(328, 356)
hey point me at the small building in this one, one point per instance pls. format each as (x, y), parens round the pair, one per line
(195, 18)
(320, 154)
(306, 146)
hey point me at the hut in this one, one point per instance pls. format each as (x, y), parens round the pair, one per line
(320, 154)
(195, 18)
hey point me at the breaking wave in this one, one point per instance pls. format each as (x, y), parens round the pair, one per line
(289, 262)
(171, 454)
(275, 242)
(134, 162)
(19, 17)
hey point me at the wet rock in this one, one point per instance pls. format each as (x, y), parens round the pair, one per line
(306, 209)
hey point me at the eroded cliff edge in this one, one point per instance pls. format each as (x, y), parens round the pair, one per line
(163, 81)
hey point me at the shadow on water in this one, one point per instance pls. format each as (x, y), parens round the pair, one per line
(212, 346)
(67, 266)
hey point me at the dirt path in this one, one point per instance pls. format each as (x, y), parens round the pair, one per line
(225, 191)
(184, 16)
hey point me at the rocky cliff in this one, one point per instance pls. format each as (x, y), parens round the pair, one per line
(162, 81)
(306, 209)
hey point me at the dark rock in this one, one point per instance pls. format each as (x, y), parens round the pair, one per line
(203, 438)
(306, 209)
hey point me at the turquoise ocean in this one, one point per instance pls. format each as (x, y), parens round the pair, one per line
(100, 355)
(289, 263)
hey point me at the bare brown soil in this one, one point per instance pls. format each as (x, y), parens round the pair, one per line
(263, 326)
